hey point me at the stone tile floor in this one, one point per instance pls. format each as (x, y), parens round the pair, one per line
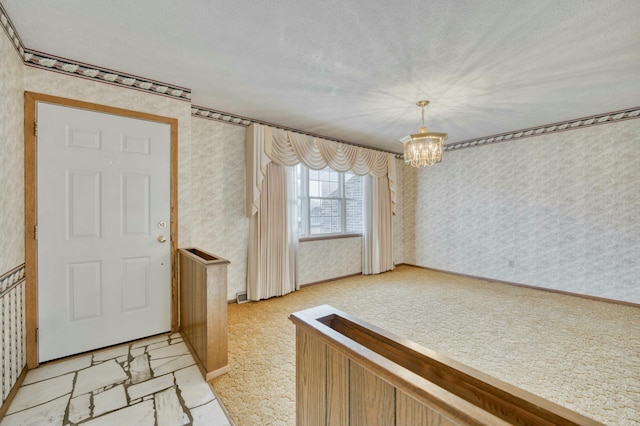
(148, 382)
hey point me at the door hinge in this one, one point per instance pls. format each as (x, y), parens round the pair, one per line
(35, 232)
(35, 128)
(37, 335)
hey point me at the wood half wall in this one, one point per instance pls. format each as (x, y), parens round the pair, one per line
(349, 372)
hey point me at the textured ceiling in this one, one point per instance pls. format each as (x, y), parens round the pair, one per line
(353, 70)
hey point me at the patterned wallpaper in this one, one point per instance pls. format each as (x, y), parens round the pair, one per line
(398, 219)
(219, 223)
(11, 156)
(321, 260)
(51, 83)
(560, 211)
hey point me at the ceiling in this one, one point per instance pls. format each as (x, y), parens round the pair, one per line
(353, 70)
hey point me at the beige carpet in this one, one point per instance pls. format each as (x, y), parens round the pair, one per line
(579, 353)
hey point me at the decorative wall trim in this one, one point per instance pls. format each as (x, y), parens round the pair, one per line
(79, 69)
(12, 329)
(12, 278)
(11, 31)
(225, 117)
(46, 61)
(579, 123)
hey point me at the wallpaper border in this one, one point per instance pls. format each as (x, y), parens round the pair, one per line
(224, 117)
(42, 60)
(78, 69)
(9, 28)
(576, 123)
(12, 278)
(66, 66)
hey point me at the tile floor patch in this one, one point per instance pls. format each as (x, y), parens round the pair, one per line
(80, 408)
(140, 370)
(96, 395)
(109, 400)
(149, 341)
(51, 413)
(193, 389)
(150, 386)
(57, 369)
(169, 351)
(138, 351)
(111, 353)
(209, 414)
(41, 392)
(99, 376)
(140, 415)
(157, 345)
(169, 412)
(167, 365)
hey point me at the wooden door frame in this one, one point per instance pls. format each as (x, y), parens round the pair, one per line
(31, 203)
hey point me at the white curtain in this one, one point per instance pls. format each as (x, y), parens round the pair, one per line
(273, 243)
(377, 236)
(271, 203)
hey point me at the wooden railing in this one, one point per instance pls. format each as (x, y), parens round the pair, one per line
(349, 372)
(203, 309)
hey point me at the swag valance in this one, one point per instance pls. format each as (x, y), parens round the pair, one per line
(267, 144)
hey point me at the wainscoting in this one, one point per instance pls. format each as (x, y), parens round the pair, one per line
(12, 329)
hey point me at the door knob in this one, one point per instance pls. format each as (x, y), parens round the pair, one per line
(162, 238)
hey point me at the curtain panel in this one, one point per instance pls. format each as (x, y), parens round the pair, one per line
(267, 147)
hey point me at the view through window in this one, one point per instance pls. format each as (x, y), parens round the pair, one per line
(329, 202)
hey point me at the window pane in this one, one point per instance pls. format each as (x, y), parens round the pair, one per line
(314, 188)
(325, 216)
(300, 225)
(354, 215)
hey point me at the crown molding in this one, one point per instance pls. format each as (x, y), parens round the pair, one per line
(578, 123)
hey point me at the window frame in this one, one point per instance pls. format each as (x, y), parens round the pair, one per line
(304, 200)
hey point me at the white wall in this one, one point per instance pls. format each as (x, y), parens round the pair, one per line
(564, 207)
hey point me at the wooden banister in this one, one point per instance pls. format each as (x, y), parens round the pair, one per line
(370, 376)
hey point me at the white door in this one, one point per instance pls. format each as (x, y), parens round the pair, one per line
(104, 276)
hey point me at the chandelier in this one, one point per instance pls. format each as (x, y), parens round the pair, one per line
(423, 148)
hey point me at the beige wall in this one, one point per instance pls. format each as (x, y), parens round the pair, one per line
(320, 260)
(220, 225)
(564, 207)
(11, 156)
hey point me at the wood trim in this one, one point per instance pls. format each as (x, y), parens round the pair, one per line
(14, 390)
(31, 197)
(328, 237)
(532, 287)
(451, 387)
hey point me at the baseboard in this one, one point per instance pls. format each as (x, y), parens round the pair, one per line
(12, 394)
(329, 280)
(232, 301)
(533, 287)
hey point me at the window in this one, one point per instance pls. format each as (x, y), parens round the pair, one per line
(329, 202)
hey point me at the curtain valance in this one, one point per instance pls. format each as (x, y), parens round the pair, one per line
(288, 148)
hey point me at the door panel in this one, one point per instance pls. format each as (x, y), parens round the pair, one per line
(103, 188)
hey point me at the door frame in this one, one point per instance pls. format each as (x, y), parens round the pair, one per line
(31, 203)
